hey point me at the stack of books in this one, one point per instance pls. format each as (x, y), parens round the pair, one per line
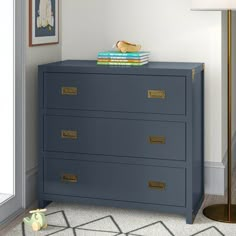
(120, 58)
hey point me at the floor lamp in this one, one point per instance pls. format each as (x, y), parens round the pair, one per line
(223, 212)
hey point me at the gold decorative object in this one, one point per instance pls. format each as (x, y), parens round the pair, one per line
(125, 46)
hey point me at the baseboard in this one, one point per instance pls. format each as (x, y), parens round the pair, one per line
(216, 173)
(215, 177)
(10, 219)
(31, 186)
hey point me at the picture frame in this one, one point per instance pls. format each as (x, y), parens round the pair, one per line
(43, 22)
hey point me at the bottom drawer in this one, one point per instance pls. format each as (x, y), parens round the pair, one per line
(136, 183)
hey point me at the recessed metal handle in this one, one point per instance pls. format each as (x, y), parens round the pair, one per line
(71, 91)
(157, 185)
(69, 134)
(157, 139)
(160, 94)
(71, 178)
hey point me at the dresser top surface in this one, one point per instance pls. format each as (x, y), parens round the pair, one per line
(90, 66)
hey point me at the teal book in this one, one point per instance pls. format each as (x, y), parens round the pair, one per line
(122, 63)
(123, 54)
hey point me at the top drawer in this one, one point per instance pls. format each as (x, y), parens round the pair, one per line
(122, 93)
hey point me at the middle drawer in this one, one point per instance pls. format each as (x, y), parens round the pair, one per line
(117, 137)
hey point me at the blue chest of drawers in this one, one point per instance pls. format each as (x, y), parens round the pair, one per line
(122, 136)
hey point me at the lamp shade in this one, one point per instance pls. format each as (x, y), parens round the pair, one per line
(213, 5)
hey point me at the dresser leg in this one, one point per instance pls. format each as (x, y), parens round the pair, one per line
(189, 218)
(43, 203)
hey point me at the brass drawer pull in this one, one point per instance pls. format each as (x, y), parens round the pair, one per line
(71, 91)
(157, 139)
(157, 185)
(69, 134)
(69, 178)
(161, 94)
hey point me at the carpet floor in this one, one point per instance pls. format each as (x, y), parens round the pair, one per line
(83, 220)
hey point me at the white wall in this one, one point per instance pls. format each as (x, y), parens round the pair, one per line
(34, 56)
(167, 28)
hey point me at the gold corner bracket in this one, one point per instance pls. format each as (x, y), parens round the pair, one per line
(193, 74)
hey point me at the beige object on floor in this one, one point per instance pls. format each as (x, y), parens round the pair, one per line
(125, 46)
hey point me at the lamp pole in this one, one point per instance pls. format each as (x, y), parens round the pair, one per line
(229, 107)
(226, 212)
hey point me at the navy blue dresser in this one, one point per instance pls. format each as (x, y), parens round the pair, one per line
(122, 136)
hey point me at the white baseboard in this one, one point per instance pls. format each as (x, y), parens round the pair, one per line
(31, 186)
(215, 177)
(216, 173)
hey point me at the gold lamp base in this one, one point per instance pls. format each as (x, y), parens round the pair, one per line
(220, 212)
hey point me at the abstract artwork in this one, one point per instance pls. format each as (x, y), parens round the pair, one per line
(43, 22)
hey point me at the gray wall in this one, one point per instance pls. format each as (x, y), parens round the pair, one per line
(169, 29)
(34, 56)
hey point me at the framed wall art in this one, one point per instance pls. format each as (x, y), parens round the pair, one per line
(43, 22)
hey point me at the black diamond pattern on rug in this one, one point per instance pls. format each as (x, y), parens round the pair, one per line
(156, 228)
(211, 231)
(59, 225)
(103, 226)
(58, 218)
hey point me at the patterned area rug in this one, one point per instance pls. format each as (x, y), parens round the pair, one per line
(83, 220)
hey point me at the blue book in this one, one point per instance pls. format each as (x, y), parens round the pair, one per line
(123, 54)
